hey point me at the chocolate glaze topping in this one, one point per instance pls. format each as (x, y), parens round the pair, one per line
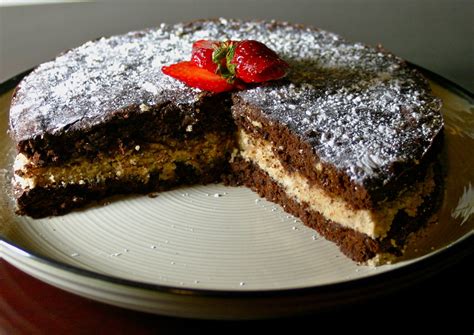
(361, 109)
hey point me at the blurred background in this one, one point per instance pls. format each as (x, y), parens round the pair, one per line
(435, 34)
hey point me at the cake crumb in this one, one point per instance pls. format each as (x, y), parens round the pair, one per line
(144, 108)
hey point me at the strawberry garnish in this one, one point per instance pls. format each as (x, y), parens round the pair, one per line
(202, 54)
(222, 66)
(254, 62)
(194, 76)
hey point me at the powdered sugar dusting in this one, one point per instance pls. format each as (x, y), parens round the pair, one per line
(364, 107)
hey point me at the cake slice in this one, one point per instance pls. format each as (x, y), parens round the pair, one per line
(348, 141)
(140, 149)
(369, 218)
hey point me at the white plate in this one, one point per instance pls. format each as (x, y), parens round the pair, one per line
(219, 252)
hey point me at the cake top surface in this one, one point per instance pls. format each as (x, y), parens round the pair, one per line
(361, 109)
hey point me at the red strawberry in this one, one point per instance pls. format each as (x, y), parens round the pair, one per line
(202, 54)
(254, 62)
(212, 56)
(223, 66)
(194, 76)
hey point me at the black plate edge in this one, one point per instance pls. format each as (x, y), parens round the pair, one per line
(376, 285)
(446, 82)
(12, 82)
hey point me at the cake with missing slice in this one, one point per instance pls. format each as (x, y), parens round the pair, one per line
(347, 141)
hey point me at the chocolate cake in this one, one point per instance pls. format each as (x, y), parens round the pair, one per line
(348, 141)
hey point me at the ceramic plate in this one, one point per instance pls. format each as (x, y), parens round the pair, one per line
(220, 252)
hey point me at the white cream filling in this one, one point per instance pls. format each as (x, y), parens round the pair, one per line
(20, 165)
(373, 223)
(135, 163)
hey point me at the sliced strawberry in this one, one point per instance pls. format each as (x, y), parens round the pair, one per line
(254, 62)
(194, 76)
(222, 66)
(202, 54)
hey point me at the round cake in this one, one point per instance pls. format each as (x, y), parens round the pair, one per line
(348, 141)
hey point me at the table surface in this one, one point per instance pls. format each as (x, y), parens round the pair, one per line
(29, 306)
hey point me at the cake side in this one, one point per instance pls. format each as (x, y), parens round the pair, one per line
(374, 222)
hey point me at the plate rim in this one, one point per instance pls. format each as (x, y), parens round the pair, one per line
(421, 269)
